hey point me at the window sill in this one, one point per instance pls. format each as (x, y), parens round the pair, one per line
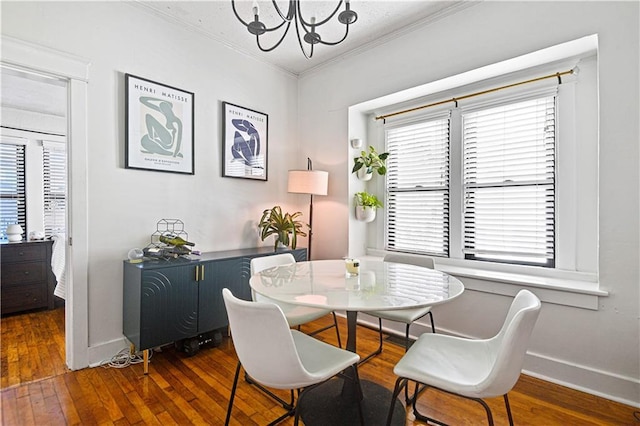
(573, 289)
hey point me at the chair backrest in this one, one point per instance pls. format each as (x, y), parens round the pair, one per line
(264, 344)
(509, 347)
(264, 262)
(409, 259)
(261, 263)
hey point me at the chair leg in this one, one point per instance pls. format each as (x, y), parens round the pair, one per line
(506, 403)
(377, 351)
(286, 405)
(233, 394)
(401, 382)
(486, 408)
(335, 323)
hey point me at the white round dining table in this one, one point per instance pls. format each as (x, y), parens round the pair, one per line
(378, 286)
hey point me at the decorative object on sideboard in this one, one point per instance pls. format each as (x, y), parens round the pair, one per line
(135, 255)
(370, 162)
(245, 142)
(305, 26)
(36, 235)
(284, 226)
(366, 205)
(159, 122)
(312, 182)
(14, 233)
(170, 240)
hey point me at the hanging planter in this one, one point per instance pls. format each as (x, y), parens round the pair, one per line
(366, 205)
(369, 162)
(365, 214)
(364, 175)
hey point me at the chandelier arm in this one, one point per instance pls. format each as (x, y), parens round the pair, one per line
(333, 43)
(233, 6)
(269, 49)
(310, 55)
(290, 11)
(277, 27)
(317, 24)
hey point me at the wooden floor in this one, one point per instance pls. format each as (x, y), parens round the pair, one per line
(37, 389)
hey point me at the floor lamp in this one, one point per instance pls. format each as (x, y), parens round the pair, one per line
(312, 182)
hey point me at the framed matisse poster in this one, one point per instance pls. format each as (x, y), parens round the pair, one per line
(159, 123)
(245, 143)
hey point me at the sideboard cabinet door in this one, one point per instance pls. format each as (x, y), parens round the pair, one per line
(169, 305)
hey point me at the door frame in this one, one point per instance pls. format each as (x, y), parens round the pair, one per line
(74, 69)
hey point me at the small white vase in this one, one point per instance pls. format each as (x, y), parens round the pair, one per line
(365, 213)
(363, 175)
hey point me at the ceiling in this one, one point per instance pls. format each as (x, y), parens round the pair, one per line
(377, 21)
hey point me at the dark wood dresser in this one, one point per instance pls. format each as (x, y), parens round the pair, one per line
(26, 279)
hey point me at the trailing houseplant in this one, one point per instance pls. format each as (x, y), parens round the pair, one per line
(369, 162)
(366, 205)
(284, 226)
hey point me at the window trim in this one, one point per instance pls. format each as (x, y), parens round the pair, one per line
(577, 273)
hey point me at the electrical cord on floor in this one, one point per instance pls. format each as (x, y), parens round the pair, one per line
(124, 358)
(636, 414)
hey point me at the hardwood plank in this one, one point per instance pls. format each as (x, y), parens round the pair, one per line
(67, 404)
(37, 387)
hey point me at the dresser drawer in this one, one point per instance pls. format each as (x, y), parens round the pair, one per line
(23, 273)
(23, 297)
(23, 252)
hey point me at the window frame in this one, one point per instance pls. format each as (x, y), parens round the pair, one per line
(576, 266)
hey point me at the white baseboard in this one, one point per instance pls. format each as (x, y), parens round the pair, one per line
(622, 389)
(105, 351)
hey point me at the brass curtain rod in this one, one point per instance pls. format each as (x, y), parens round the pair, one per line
(557, 75)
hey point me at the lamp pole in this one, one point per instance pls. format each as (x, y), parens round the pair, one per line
(310, 167)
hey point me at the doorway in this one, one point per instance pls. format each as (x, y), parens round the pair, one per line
(36, 59)
(33, 186)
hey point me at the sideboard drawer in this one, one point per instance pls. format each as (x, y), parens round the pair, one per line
(24, 253)
(23, 297)
(22, 273)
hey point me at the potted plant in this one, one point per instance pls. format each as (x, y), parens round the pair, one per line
(369, 162)
(366, 205)
(284, 226)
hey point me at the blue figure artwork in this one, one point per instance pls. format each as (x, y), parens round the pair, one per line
(163, 139)
(245, 149)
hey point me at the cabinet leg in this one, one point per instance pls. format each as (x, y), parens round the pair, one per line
(145, 355)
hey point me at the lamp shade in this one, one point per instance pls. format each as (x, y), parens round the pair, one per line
(314, 182)
(14, 233)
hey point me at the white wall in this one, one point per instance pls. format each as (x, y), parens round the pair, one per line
(593, 350)
(598, 350)
(125, 205)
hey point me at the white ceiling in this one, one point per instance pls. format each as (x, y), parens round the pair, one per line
(377, 21)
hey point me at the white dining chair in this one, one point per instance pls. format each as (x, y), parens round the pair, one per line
(405, 316)
(474, 369)
(278, 357)
(296, 315)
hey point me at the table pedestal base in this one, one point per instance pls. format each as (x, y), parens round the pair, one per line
(325, 405)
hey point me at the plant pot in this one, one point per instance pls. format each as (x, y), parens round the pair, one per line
(365, 213)
(363, 175)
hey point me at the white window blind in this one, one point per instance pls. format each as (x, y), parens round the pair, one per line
(418, 187)
(13, 203)
(509, 182)
(55, 187)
